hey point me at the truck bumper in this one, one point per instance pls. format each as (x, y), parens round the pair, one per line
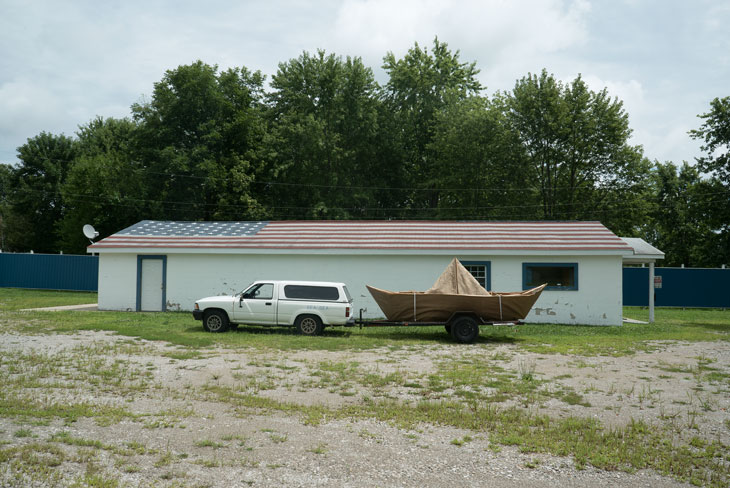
(198, 314)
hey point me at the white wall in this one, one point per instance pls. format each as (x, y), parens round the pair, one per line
(117, 281)
(191, 276)
(597, 301)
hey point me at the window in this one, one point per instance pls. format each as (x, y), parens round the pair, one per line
(307, 292)
(262, 291)
(558, 276)
(481, 270)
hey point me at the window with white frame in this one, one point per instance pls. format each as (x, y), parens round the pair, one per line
(481, 271)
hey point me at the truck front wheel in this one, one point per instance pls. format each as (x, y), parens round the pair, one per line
(308, 325)
(215, 321)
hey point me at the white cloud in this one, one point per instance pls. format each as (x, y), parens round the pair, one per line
(494, 32)
(63, 62)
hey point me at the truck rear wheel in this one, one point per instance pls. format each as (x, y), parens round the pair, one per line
(309, 325)
(215, 321)
(464, 330)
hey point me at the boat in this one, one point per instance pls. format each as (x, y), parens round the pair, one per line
(456, 290)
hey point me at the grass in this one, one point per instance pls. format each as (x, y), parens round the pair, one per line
(17, 299)
(179, 328)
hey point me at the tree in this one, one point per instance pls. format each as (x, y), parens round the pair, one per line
(683, 216)
(35, 200)
(576, 141)
(106, 187)
(480, 165)
(715, 134)
(6, 172)
(419, 86)
(198, 139)
(323, 146)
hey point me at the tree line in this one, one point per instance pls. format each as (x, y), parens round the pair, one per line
(324, 140)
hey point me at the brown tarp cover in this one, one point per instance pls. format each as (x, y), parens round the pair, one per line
(456, 290)
(456, 280)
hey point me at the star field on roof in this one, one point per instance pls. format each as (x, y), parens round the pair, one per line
(166, 228)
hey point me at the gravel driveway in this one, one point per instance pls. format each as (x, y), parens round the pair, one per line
(174, 426)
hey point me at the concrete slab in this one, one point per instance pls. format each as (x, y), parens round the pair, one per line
(633, 321)
(86, 307)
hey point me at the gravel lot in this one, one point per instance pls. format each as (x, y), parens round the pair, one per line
(183, 435)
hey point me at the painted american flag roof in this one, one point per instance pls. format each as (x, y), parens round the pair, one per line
(367, 235)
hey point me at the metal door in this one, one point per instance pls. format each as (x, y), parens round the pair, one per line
(151, 284)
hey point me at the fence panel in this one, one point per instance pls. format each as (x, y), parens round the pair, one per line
(49, 271)
(680, 287)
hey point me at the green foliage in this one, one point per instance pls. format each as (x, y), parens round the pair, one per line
(715, 134)
(105, 186)
(197, 141)
(35, 201)
(479, 163)
(687, 208)
(323, 138)
(6, 172)
(419, 85)
(325, 141)
(576, 143)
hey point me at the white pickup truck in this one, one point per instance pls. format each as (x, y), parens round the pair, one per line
(307, 305)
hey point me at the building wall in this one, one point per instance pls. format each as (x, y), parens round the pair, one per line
(117, 281)
(191, 276)
(597, 301)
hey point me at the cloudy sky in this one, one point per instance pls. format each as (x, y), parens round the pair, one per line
(64, 62)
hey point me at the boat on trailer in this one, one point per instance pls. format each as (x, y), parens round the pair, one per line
(455, 292)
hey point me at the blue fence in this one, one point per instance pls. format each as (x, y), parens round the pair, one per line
(49, 271)
(680, 287)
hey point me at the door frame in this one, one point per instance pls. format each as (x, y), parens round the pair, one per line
(140, 258)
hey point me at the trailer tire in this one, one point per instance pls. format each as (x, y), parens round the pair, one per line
(464, 330)
(215, 321)
(448, 328)
(309, 325)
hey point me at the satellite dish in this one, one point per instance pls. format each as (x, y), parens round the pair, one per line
(90, 232)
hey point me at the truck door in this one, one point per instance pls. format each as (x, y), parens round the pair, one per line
(257, 305)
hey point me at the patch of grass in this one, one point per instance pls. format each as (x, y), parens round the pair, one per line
(320, 448)
(185, 354)
(180, 328)
(462, 441)
(278, 439)
(23, 433)
(18, 298)
(209, 443)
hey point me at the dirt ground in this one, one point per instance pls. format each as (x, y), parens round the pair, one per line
(183, 435)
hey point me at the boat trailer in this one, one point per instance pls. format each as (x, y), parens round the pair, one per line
(463, 326)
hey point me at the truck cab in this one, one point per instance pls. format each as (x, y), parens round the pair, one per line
(307, 305)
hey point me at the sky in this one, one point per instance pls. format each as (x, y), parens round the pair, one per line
(63, 63)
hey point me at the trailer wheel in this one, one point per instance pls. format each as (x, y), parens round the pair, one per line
(464, 330)
(215, 321)
(448, 328)
(308, 325)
